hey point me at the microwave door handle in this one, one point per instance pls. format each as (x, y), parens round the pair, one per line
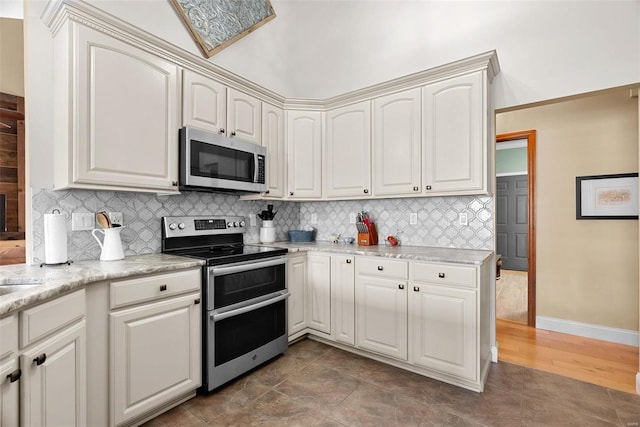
(254, 168)
(221, 316)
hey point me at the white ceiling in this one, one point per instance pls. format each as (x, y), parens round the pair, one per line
(12, 9)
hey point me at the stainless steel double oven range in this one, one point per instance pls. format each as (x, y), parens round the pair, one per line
(244, 319)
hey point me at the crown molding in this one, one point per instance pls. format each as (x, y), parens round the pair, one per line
(59, 12)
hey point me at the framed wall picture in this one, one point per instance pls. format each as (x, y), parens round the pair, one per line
(607, 196)
(215, 24)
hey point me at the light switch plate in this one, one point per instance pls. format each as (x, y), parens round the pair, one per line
(82, 221)
(463, 219)
(413, 218)
(352, 218)
(314, 218)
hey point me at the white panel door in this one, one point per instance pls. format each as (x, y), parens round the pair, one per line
(343, 297)
(155, 355)
(347, 159)
(304, 147)
(319, 292)
(9, 388)
(204, 102)
(397, 143)
(381, 313)
(127, 119)
(297, 285)
(54, 380)
(443, 320)
(273, 140)
(244, 116)
(454, 135)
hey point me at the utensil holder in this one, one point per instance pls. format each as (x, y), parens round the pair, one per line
(370, 238)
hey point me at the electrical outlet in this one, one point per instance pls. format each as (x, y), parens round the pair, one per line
(463, 219)
(413, 218)
(352, 218)
(314, 218)
(116, 218)
(252, 220)
(81, 221)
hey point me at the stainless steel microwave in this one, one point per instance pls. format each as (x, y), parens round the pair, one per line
(213, 162)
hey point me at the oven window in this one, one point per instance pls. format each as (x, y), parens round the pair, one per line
(238, 335)
(245, 285)
(213, 161)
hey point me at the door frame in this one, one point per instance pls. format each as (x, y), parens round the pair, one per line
(530, 135)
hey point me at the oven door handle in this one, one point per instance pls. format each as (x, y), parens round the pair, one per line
(221, 316)
(237, 268)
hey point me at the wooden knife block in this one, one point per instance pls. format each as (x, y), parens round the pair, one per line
(370, 238)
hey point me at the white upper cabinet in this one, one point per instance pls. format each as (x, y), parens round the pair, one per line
(455, 136)
(116, 116)
(347, 151)
(273, 140)
(244, 116)
(204, 102)
(304, 145)
(397, 144)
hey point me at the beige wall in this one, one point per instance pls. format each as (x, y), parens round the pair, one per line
(11, 56)
(587, 270)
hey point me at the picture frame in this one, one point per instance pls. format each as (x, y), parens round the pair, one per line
(216, 24)
(607, 196)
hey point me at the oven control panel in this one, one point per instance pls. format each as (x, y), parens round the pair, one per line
(184, 226)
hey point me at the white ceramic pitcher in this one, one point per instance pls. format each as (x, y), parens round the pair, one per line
(112, 245)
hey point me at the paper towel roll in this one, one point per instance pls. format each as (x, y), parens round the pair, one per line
(55, 238)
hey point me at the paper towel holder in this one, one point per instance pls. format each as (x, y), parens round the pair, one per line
(67, 262)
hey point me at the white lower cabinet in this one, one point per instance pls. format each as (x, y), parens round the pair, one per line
(343, 289)
(319, 292)
(50, 371)
(156, 345)
(443, 322)
(382, 316)
(297, 286)
(10, 372)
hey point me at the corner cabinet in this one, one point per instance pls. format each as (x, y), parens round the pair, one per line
(116, 114)
(304, 146)
(455, 135)
(347, 162)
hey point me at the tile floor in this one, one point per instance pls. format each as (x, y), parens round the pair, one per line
(511, 295)
(317, 385)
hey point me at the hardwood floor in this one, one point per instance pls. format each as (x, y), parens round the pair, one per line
(598, 362)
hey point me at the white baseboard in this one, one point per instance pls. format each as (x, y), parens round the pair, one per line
(605, 333)
(494, 353)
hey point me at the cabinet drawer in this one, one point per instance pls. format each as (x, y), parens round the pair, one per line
(8, 337)
(44, 319)
(381, 267)
(444, 273)
(133, 291)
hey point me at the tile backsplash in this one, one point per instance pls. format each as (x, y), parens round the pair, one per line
(437, 218)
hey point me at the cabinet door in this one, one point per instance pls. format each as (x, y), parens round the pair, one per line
(244, 116)
(273, 140)
(9, 384)
(348, 151)
(319, 296)
(397, 143)
(53, 389)
(127, 120)
(381, 312)
(155, 355)
(297, 285)
(343, 298)
(454, 135)
(304, 145)
(443, 320)
(204, 102)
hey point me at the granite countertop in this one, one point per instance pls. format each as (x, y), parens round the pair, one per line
(52, 281)
(413, 253)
